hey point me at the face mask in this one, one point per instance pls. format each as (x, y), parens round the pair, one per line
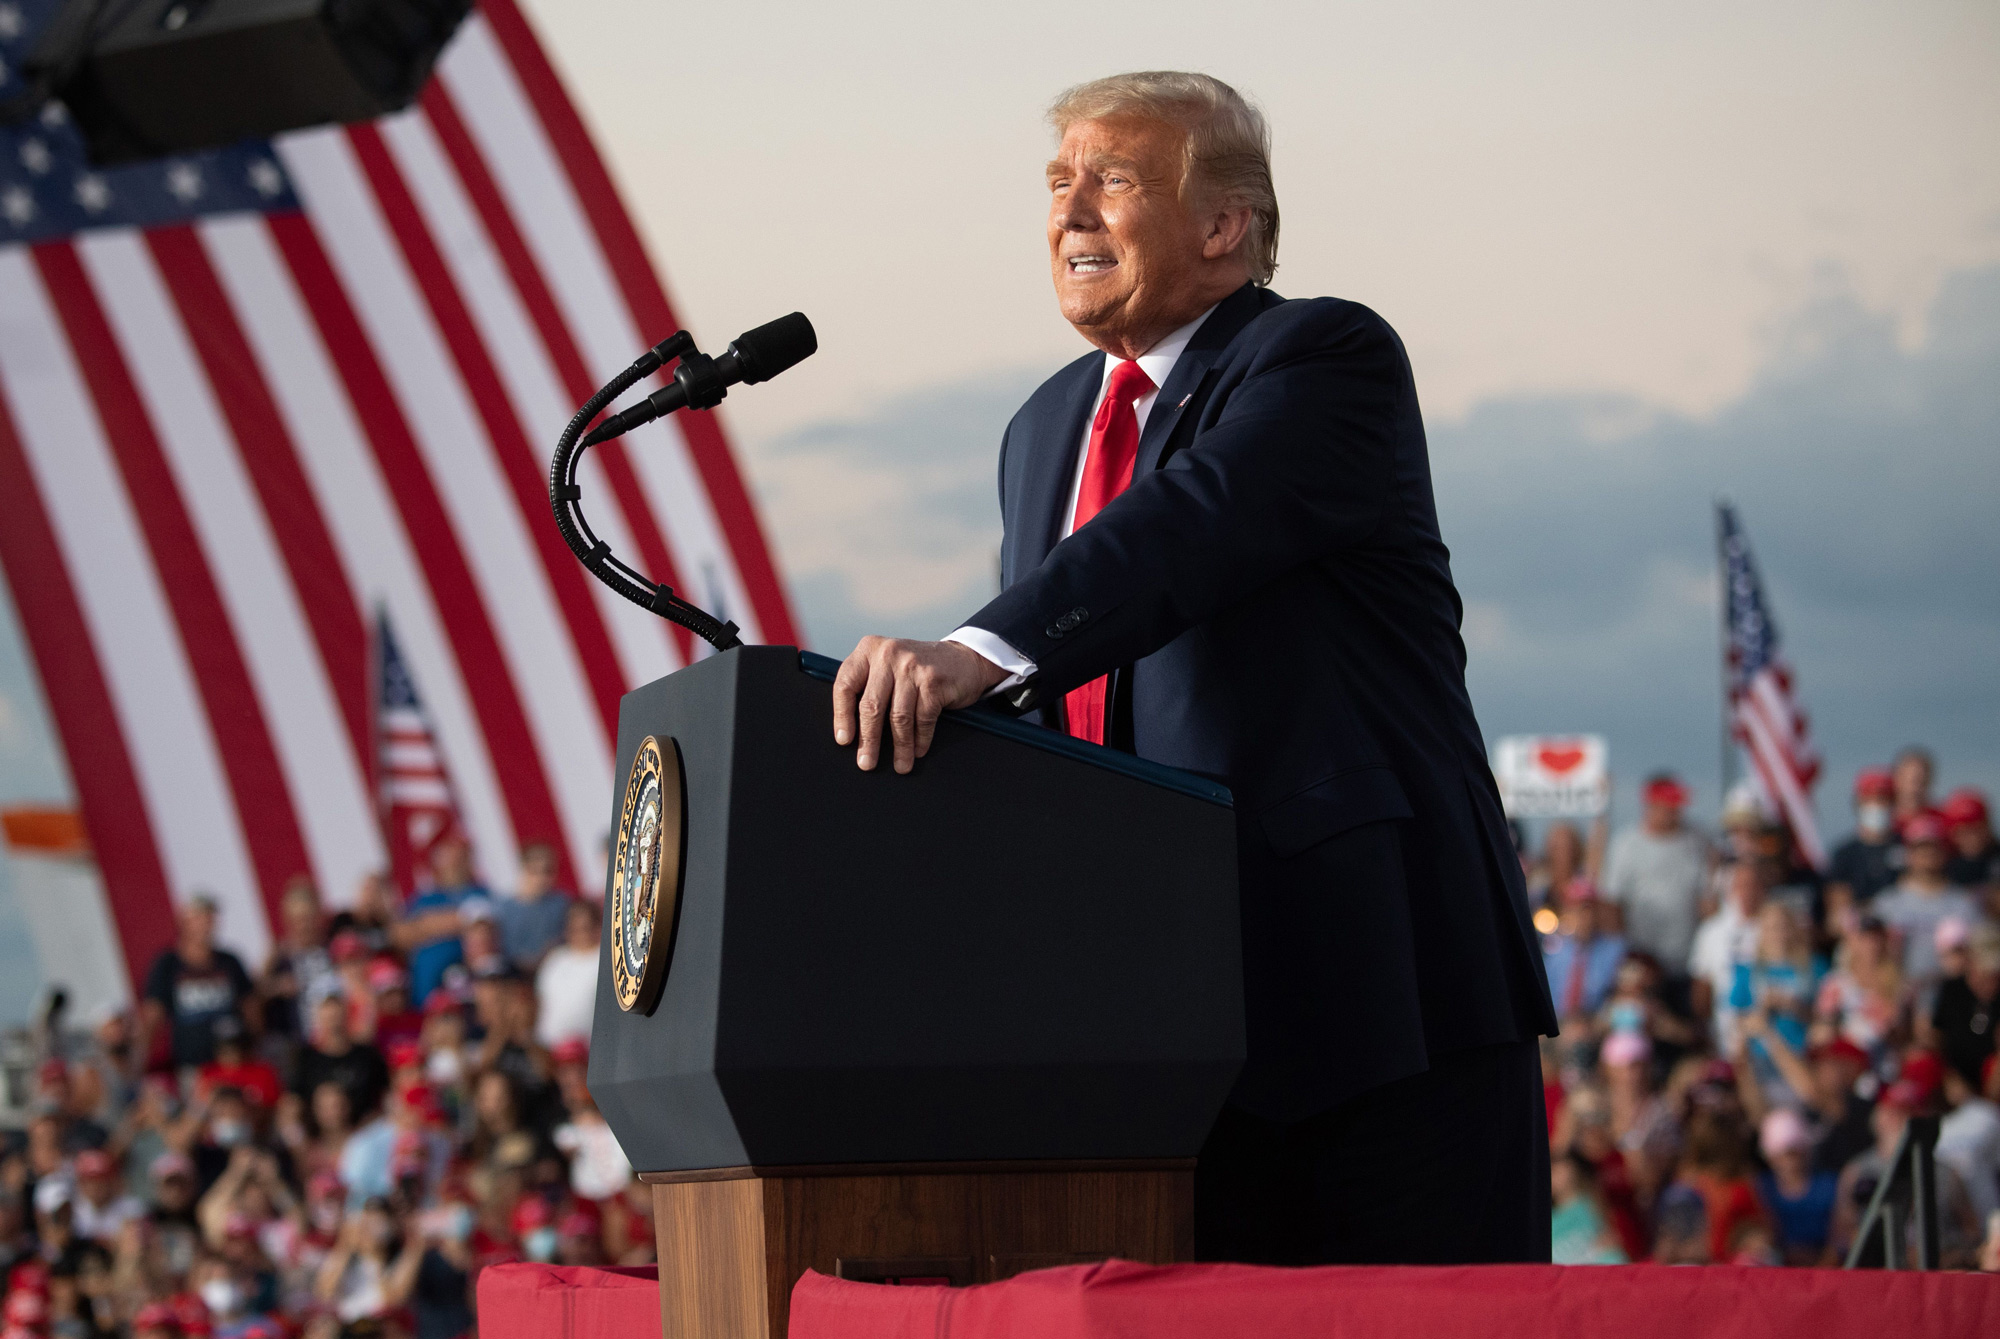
(540, 1245)
(458, 1223)
(230, 1133)
(1873, 819)
(219, 1296)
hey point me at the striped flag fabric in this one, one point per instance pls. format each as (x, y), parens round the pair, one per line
(1765, 714)
(248, 396)
(418, 810)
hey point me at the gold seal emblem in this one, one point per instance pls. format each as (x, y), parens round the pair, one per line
(646, 875)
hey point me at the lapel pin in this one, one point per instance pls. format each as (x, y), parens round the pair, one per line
(1184, 400)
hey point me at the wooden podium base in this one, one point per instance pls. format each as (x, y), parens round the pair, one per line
(733, 1241)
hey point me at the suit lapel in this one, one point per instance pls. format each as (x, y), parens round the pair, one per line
(1052, 467)
(1202, 353)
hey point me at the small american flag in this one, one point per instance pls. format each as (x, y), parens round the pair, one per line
(1764, 711)
(418, 810)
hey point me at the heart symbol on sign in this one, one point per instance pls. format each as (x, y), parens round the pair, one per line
(1560, 760)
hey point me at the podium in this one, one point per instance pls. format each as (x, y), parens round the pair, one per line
(942, 1027)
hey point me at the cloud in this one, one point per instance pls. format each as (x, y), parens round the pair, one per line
(1867, 473)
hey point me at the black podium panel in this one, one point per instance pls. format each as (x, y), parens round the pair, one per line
(1025, 950)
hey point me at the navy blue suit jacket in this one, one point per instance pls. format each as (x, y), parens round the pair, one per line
(1276, 606)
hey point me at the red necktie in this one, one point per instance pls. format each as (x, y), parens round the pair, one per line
(1107, 469)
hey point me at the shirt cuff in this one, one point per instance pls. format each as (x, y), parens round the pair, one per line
(990, 647)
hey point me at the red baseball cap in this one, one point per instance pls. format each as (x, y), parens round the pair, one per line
(30, 1276)
(1923, 1068)
(155, 1316)
(192, 1313)
(1666, 789)
(1874, 783)
(94, 1162)
(1962, 807)
(1840, 1048)
(570, 1051)
(532, 1212)
(386, 974)
(346, 947)
(1904, 1096)
(1923, 827)
(27, 1308)
(405, 1052)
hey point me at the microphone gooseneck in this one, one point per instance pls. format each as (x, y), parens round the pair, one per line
(700, 382)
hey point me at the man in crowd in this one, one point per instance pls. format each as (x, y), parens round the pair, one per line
(1912, 772)
(331, 1055)
(431, 922)
(191, 987)
(1922, 900)
(1727, 940)
(1871, 859)
(1658, 872)
(1967, 1013)
(1975, 855)
(1581, 957)
(531, 921)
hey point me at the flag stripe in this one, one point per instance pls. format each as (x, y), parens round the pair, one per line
(326, 795)
(108, 794)
(235, 715)
(271, 460)
(487, 675)
(127, 617)
(431, 398)
(565, 249)
(652, 553)
(512, 454)
(525, 370)
(364, 520)
(647, 301)
(542, 198)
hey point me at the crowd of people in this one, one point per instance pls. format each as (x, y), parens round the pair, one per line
(1746, 1038)
(332, 1142)
(335, 1143)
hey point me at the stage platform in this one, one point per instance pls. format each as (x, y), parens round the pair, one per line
(1119, 1300)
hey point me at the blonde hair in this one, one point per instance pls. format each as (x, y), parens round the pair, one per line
(1228, 143)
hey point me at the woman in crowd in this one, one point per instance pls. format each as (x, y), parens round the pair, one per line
(1864, 997)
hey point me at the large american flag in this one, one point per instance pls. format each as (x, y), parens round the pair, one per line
(249, 396)
(1765, 714)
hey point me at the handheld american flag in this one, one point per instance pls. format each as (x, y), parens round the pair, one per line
(1765, 715)
(248, 396)
(418, 810)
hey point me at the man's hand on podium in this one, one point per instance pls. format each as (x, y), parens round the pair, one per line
(907, 683)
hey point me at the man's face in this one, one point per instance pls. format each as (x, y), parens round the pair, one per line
(199, 922)
(1971, 838)
(1913, 781)
(451, 865)
(1926, 858)
(1660, 817)
(1124, 248)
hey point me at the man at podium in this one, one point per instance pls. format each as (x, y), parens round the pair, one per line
(1221, 553)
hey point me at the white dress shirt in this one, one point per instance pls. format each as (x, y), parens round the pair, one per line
(1158, 364)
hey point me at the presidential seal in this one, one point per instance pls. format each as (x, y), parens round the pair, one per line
(646, 875)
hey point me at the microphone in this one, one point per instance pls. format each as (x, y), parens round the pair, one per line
(700, 382)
